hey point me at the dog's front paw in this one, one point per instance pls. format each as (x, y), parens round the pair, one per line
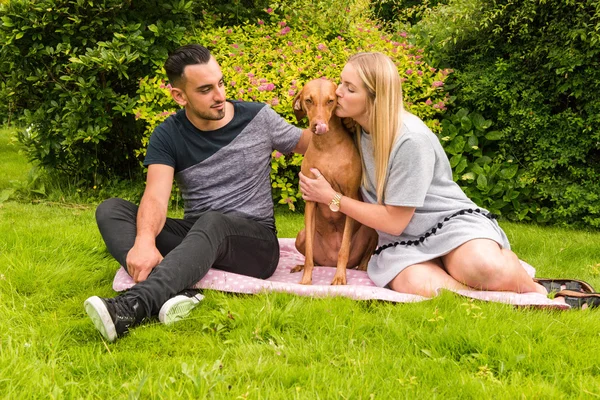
(306, 280)
(339, 280)
(297, 268)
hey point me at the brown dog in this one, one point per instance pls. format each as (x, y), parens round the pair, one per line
(330, 238)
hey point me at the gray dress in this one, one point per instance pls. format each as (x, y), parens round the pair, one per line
(419, 175)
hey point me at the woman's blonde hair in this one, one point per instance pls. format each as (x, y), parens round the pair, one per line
(384, 105)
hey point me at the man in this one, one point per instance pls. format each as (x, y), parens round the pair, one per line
(219, 152)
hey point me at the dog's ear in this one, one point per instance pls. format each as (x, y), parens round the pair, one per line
(298, 110)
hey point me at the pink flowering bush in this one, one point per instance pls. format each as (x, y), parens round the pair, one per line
(270, 62)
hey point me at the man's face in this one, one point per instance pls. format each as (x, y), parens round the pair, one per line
(202, 91)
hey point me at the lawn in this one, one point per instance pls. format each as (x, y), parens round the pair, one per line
(279, 346)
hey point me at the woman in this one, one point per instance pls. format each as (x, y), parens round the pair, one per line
(431, 235)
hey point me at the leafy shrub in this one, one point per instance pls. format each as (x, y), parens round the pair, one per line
(73, 67)
(288, 58)
(486, 173)
(533, 68)
(403, 12)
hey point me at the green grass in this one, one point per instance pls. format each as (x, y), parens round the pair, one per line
(280, 346)
(14, 165)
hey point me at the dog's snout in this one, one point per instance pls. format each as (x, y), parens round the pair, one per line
(320, 127)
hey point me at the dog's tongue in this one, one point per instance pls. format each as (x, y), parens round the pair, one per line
(321, 128)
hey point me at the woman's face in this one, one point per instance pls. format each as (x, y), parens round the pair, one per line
(352, 96)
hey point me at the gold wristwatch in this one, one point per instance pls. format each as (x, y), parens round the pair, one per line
(334, 204)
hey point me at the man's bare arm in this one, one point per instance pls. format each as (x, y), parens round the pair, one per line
(304, 141)
(151, 217)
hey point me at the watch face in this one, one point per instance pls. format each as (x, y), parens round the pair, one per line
(334, 207)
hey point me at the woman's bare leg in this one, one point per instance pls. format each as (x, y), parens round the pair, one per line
(424, 279)
(482, 264)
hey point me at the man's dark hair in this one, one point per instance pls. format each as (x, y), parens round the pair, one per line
(190, 54)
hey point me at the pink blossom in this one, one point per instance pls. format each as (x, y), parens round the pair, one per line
(420, 73)
(231, 55)
(437, 84)
(284, 31)
(403, 34)
(138, 115)
(237, 68)
(169, 86)
(232, 83)
(274, 101)
(268, 87)
(339, 38)
(289, 200)
(321, 47)
(235, 46)
(429, 102)
(228, 31)
(290, 43)
(432, 69)
(269, 10)
(291, 92)
(409, 72)
(319, 57)
(263, 80)
(268, 37)
(162, 86)
(277, 154)
(261, 22)
(241, 91)
(250, 75)
(282, 23)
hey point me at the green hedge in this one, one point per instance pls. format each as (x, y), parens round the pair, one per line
(532, 67)
(271, 61)
(72, 68)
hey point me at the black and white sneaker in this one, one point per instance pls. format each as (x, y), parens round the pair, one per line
(112, 317)
(179, 306)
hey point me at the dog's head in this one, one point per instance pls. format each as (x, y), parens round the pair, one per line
(318, 101)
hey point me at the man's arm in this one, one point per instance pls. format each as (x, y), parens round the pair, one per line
(151, 217)
(303, 142)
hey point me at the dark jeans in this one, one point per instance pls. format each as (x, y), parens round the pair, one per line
(190, 247)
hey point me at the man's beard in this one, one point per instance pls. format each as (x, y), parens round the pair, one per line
(216, 115)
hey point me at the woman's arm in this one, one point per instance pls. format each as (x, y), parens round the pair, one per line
(386, 218)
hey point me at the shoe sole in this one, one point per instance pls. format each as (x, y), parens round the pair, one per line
(178, 308)
(98, 313)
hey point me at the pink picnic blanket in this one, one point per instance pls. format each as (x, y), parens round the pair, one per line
(359, 286)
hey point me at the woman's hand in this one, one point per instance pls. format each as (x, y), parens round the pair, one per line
(317, 190)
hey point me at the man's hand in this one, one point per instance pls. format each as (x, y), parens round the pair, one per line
(141, 260)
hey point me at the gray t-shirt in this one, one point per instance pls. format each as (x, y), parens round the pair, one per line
(228, 169)
(419, 175)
